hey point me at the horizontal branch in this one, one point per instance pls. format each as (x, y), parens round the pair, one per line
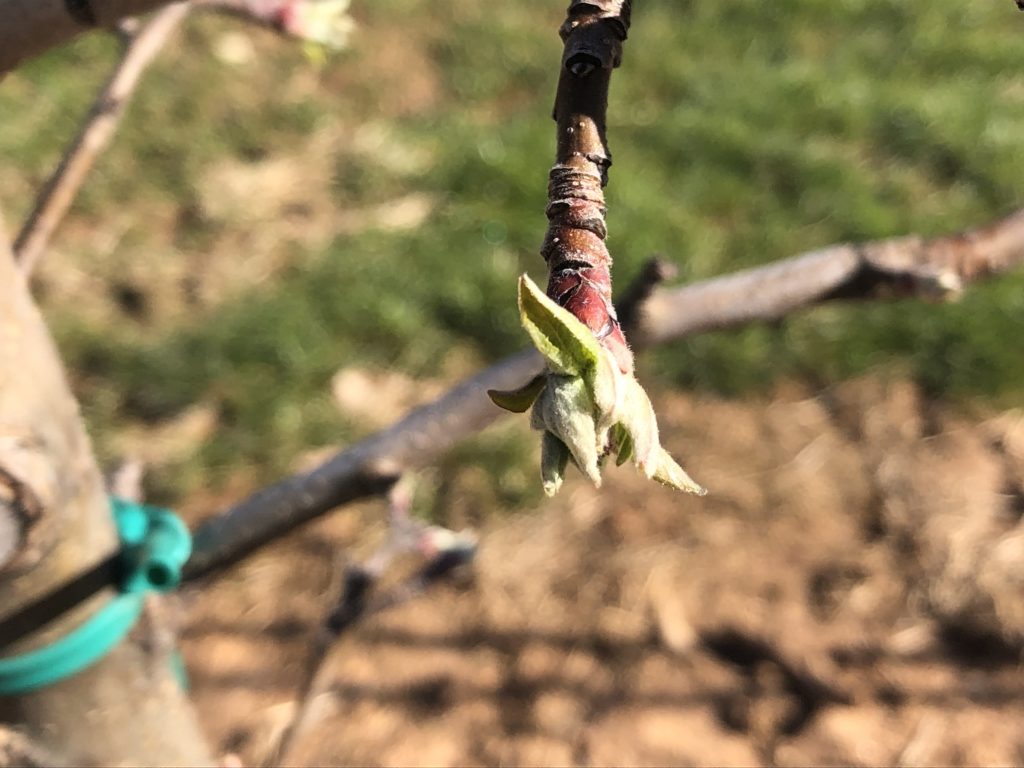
(906, 266)
(900, 267)
(369, 468)
(48, 475)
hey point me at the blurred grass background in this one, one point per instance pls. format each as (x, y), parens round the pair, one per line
(262, 221)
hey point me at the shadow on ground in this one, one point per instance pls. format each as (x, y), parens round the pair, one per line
(849, 593)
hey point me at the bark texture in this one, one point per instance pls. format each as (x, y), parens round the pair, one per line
(574, 247)
(124, 709)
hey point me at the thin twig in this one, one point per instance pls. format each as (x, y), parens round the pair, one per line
(99, 128)
(125, 481)
(349, 605)
(160, 617)
(445, 551)
(143, 40)
(908, 266)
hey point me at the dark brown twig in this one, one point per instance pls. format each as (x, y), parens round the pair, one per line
(654, 273)
(578, 261)
(369, 468)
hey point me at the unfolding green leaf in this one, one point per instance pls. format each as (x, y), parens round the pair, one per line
(608, 387)
(668, 472)
(640, 421)
(518, 400)
(622, 444)
(567, 345)
(565, 409)
(554, 456)
(584, 405)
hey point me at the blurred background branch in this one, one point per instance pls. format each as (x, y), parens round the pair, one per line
(318, 21)
(141, 47)
(901, 267)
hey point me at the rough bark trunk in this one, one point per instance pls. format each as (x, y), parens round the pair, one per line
(125, 709)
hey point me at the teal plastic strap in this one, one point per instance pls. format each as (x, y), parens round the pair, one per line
(154, 546)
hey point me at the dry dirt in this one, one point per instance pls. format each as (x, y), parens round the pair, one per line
(851, 592)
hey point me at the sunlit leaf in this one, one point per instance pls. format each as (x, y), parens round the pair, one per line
(668, 472)
(640, 421)
(518, 400)
(566, 344)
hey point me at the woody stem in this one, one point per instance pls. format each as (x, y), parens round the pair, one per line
(574, 248)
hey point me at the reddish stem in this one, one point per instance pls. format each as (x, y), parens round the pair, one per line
(574, 248)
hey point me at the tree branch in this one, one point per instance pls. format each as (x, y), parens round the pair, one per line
(60, 190)
(369, 468)
(578, 261)
(894, 268)
(45, 455)
(907, 266)
(144, 40)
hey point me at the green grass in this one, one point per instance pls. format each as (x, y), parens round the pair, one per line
(742, 133)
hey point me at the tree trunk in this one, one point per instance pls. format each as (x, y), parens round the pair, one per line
(56, 524)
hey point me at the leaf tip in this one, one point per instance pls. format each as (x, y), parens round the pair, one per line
(668, 472)
(554, 456)
(551, 487)
(517, 400)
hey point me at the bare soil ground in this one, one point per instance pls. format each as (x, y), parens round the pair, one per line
(851, 592)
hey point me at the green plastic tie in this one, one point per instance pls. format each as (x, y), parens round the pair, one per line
(155, 544)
